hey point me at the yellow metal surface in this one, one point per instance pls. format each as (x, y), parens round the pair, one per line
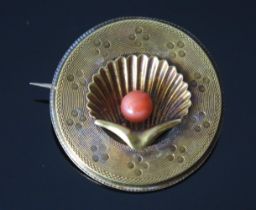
(177, 153)
(138, 140)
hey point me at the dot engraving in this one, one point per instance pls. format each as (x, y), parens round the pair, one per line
(180, 44)
(138, 43)
(201, 88)
(170, 45)
(95, 158)
(97, 42)
(132, 37)
(97, 51)
(104, 157)
(182, 53)
(206, 124)
(145, 165)
(130, 165)
(201, 115)
(138, 30)
(146, 37)
(74, 113)
(70, 78)
(173, 147)
(78, 126)
(197, 75)
(194, 119)
(197, 128)
(138, 172)
(93, 148)
(206, 80)
(193, 83)
(106, 44)
(173, 55)
(182, 149)
(69, 122)
(180, 159)
(170, 157)
(139, 158)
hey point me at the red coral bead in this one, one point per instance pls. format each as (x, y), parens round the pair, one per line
(136, 106)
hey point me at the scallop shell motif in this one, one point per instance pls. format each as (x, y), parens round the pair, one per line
(170, 94)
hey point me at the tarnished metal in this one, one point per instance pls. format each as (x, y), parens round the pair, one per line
(100, 154)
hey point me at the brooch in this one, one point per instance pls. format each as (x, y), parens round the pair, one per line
(136, 104)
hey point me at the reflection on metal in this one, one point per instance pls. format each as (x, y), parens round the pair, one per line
(139, 139)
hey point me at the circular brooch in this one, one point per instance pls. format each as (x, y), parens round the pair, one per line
(136, 104)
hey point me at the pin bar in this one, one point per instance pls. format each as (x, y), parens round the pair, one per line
(42, 85)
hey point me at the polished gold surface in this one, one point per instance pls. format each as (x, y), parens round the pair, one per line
(97, 153)
(137, 139)
(150, 74)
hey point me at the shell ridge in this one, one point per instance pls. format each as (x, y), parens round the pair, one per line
(184, 98)
(109, 88)
(177, 81)
(166, 86)
(99, 91)
(163, 78)
(111, 73)
(176, 95)
(144, 60)
(166, 91)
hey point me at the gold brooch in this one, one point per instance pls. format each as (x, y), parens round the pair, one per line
(136, 54)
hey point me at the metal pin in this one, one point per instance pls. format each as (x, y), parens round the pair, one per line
(42, 85)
